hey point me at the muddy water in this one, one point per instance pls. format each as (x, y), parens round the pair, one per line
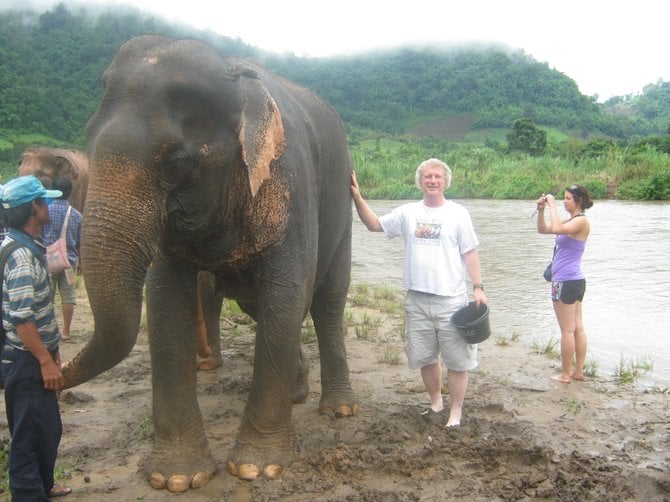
(627, 303)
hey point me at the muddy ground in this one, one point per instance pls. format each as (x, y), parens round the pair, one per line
(523, 437)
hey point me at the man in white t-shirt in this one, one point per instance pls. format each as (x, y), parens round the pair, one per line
(440, 247)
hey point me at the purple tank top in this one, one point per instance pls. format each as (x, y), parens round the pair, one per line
(567, 264)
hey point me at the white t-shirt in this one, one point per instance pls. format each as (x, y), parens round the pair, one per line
(435, 240)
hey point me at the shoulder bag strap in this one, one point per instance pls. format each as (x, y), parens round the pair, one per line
(63, 231)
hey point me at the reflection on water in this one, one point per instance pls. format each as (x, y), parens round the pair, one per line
(627, 303)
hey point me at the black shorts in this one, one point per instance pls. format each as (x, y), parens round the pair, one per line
(568, 292)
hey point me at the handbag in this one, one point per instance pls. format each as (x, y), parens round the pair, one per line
(57, 260)
(547, 271)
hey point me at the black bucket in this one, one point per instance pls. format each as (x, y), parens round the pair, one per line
(472, 322)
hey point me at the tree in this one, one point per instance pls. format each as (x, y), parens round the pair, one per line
(526, 137)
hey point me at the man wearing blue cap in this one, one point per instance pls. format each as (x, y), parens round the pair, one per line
(31, 343)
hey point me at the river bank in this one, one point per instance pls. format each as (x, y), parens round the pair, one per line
(522, 436)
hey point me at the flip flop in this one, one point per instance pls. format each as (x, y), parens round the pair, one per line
(59, 491)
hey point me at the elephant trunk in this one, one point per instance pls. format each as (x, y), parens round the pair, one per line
(119, 238)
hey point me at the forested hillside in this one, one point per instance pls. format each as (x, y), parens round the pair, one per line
(391, 91)
(51, 64)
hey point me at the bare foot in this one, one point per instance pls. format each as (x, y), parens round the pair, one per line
(577, 376)
(560, 378)
(454, 419)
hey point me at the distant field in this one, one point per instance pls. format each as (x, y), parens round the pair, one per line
(453, 128)
(459, 128)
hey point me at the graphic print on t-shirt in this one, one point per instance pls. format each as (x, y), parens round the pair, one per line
(427, 229)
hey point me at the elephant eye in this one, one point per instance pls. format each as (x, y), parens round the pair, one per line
(179, 164)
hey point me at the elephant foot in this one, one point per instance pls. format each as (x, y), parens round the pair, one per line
(249, 472)
(210, 363)
(344, 410)
(179, 483)
(340, 405)
(249, 463)
(179, 470)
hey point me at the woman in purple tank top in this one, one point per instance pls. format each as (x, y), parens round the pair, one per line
(567, 279)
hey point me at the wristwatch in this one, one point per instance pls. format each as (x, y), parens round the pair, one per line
(478, 285)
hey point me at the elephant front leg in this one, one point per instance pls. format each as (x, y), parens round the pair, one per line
(263, 446)
(180, 459)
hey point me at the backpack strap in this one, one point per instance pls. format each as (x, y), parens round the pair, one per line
(4, 254)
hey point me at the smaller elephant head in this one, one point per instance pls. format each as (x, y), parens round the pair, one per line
(48, 163)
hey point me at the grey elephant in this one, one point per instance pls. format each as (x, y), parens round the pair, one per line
(45, 162)
(204, 163)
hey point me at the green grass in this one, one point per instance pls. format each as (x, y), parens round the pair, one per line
(144, 431)
(502, 341)
(4, 467)
(550, 348)
(61, 471)
(308, 332)
(385, 170)
(628, 371)
(573, 406)
(591, 368)
(389, 355)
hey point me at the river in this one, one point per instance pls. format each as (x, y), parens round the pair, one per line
(627, 302)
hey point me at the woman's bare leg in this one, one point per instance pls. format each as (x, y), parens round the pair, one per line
(581, 344)
(566, 316)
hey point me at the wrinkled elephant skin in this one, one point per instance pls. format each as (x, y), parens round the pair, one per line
(44, 162)
(201, 163)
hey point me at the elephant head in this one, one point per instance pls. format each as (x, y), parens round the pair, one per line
(44, 162)
(181, 171)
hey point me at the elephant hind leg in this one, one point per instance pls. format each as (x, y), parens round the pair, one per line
(302, 385)
(208, 312)
(337, 397)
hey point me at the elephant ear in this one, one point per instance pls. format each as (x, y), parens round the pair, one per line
(66, 167)
(262, 132)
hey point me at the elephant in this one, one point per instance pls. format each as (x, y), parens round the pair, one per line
(204, 163)
(44, 162)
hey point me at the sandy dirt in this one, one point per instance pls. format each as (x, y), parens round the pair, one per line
(523, 437)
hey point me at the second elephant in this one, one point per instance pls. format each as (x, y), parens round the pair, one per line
(44, 162)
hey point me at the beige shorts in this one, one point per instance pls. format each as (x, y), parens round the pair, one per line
(68, 292)
(429, 333)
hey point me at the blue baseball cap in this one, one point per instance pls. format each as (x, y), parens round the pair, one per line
(25, 189)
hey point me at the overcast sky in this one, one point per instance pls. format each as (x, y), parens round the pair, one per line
(609, 48)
